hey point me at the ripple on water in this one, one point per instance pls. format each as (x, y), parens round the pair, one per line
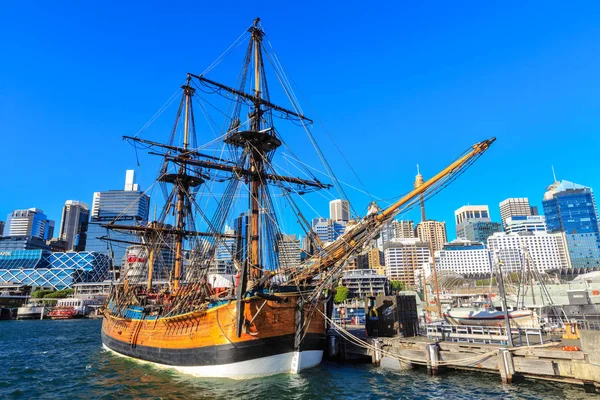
(64, 359)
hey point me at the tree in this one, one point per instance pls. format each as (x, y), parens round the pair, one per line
(60, 294)
(341, 294)
(397, 286)
(41, 293)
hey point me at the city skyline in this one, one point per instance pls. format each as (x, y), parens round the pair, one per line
(413, 215)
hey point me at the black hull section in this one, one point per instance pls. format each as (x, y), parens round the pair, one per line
(215, 355)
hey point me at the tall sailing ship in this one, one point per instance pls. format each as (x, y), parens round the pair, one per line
(273, 318)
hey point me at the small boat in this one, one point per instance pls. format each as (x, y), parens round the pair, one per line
(72, 308)
(32, 310)
(489, 317)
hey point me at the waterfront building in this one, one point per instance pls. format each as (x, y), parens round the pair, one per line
(403, 257)
(74, 224)
(30, 222)
(9, 243)
(42, 268)
(1, 228)
(364, 282)
(339, 210)
(433, 232)
(523, 223)
(514, 207)
(289, 251)
(464, 257)
(571, 208)
(544, 249)
(125, 207)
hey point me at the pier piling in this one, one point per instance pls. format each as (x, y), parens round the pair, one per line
(506, 365)
(432, 351)
(377, 355)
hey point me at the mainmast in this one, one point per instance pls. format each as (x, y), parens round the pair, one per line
(183, 186)
(256, 161)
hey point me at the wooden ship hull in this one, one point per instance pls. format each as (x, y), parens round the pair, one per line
(204, 343)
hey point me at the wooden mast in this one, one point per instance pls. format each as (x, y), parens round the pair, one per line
(182, 187)
(256, 164)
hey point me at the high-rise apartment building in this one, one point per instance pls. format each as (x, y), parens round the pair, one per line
(396, 230)
(74, 224)
(570, 208)
(514, 207)
(339, 210)
(433, 232)
(403, 257)
(530, 223)
(125, 207)
(31, 222)
(545, 250)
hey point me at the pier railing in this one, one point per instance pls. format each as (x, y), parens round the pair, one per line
(486, 334)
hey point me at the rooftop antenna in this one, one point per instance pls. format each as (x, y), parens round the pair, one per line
(554, 174)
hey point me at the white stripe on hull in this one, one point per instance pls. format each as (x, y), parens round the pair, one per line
(271, 365)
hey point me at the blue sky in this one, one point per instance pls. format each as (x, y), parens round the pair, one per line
(395, 85)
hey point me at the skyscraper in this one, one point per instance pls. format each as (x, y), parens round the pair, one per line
(473, 223)
(514, 207)
(339, 210)
(1, 228)
(125, 207)
(570, 208)
(31, 222)
(328, 230)
(433, 232)
(74, 224)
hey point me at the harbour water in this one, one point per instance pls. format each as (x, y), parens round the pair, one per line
(64, 359)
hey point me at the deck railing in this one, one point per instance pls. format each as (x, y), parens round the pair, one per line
(486, 334)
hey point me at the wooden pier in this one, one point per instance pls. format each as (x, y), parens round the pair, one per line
(536, 355)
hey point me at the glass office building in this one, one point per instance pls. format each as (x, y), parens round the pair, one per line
(124, 207)
(480, 231)
(52, 270)
(570, 208)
